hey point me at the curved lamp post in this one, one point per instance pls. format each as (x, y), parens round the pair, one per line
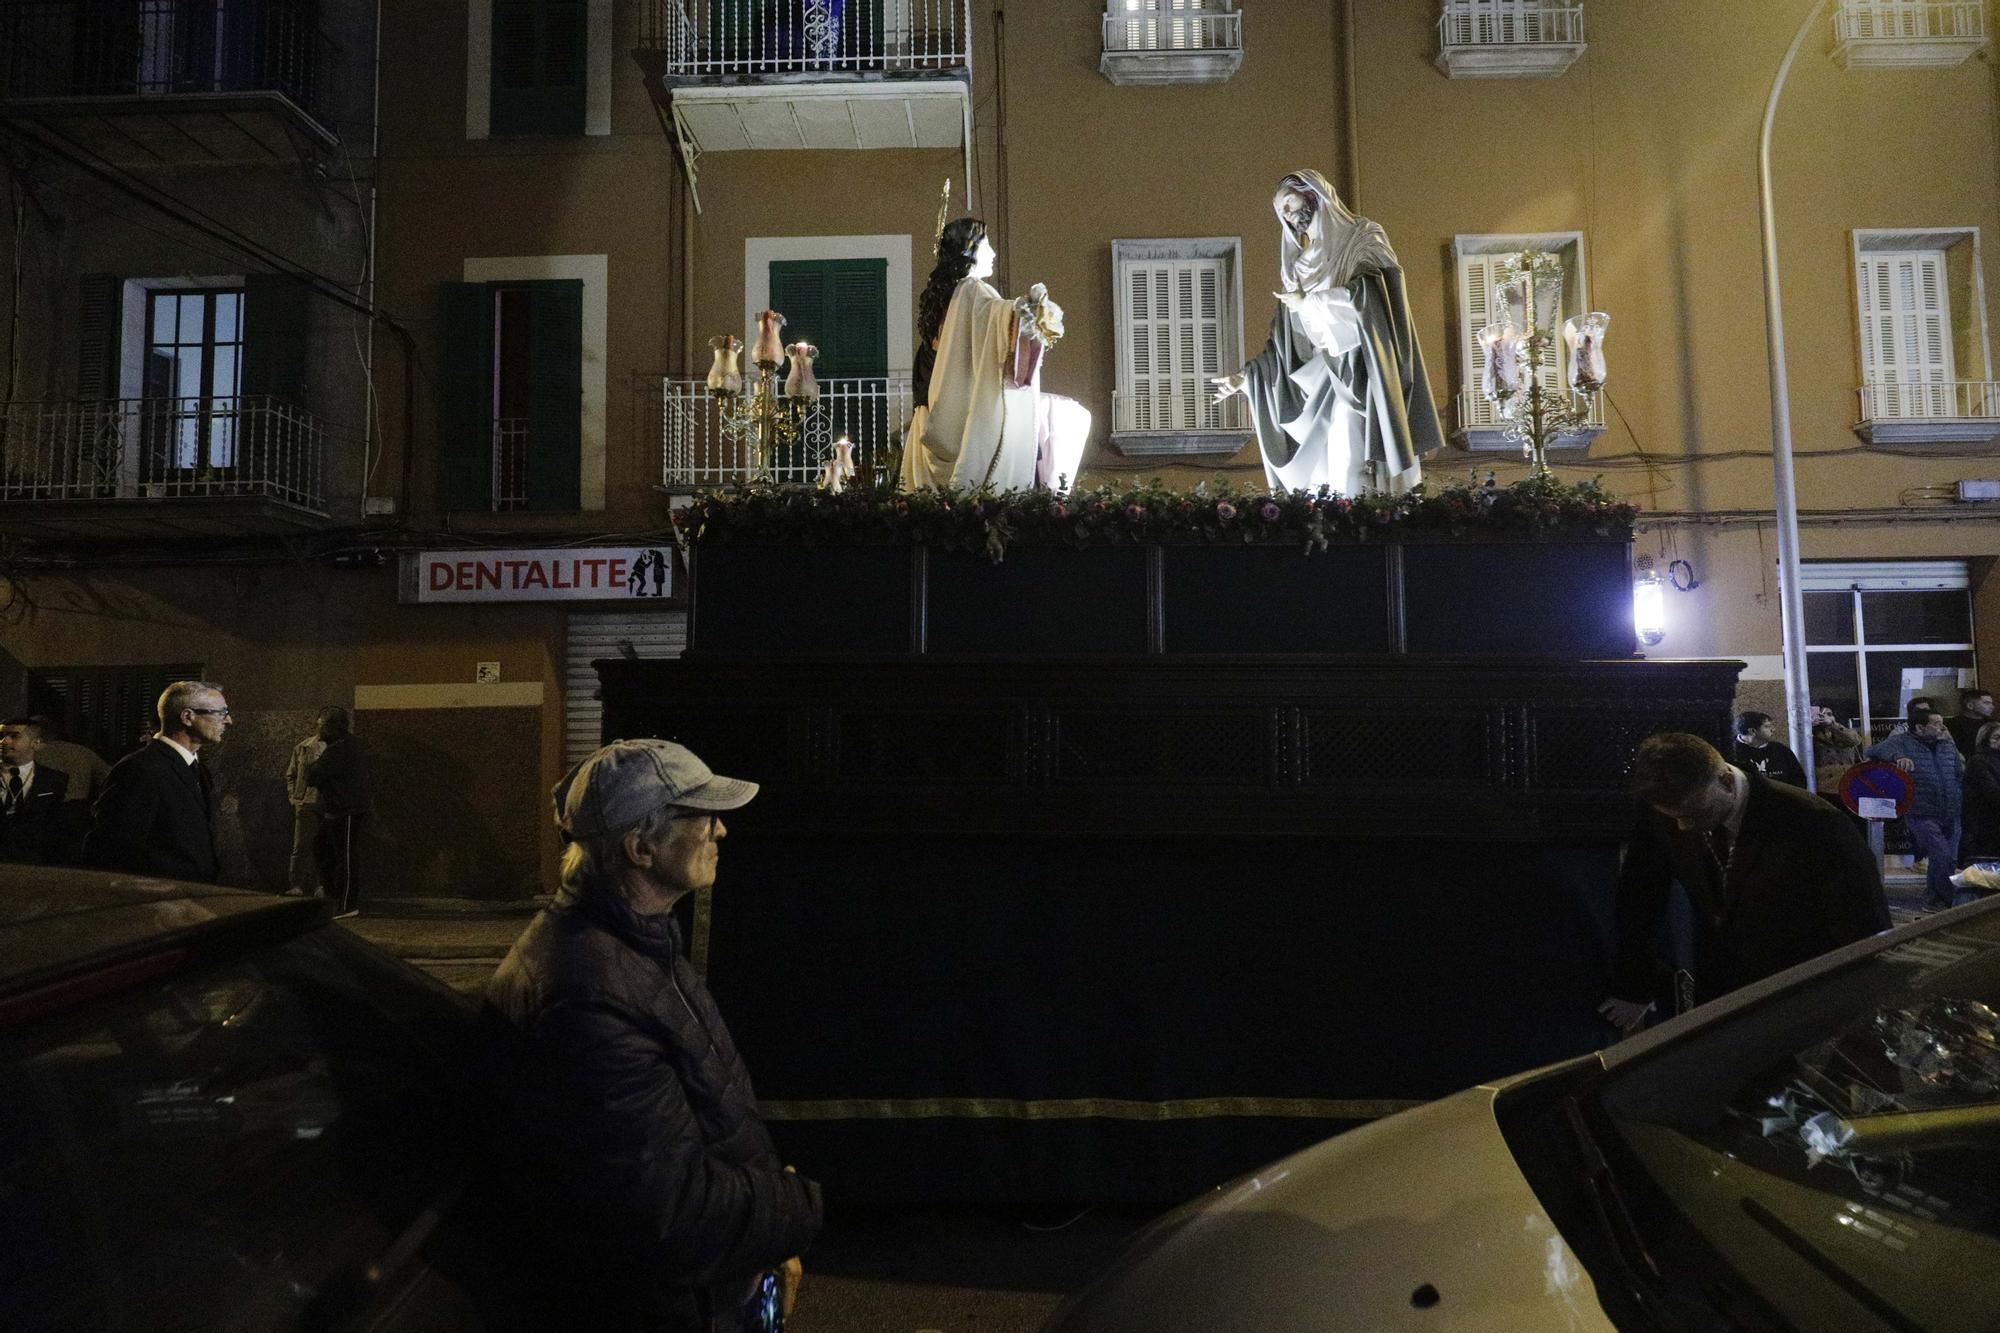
(1791, 599)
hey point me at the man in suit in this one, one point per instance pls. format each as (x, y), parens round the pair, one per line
(33, 826)
(157, 814)
(1774, 876)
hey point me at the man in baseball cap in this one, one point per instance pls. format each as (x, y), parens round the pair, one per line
(631, 1127)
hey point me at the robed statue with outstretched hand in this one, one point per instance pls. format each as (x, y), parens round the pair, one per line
(1338, 396)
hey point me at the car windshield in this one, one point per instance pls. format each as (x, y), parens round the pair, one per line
(231, 1147)
(1837, 1146)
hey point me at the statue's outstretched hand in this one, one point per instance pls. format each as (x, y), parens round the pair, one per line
(1225, 385)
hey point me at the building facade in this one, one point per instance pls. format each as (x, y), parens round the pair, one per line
(303, 291)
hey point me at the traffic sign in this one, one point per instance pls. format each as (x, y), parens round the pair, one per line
(1875, 790)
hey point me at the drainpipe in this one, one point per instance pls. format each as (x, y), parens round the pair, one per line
(1351, 116)
(368, 440)
(1791, 599)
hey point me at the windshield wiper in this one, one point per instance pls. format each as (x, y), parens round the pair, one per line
(1833, 1272)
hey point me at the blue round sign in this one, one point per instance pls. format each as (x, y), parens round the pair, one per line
(1886, 789)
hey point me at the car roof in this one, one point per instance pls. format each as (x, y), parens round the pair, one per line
(56, 922)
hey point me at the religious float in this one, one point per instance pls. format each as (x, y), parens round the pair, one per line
(1114, 842)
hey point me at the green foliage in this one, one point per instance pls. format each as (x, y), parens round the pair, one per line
(992, 521)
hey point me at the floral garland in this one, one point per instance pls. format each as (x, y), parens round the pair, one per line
(991, 521)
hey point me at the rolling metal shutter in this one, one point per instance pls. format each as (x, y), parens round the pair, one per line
(591, 635)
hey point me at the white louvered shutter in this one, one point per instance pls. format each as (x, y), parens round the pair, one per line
(1906, 334)
(1173, 342)
(591, 635)
(1475, 302)
(1157, 30)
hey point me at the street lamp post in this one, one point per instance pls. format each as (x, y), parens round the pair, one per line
(1791, 599)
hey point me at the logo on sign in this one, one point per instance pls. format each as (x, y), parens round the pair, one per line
(650, 575)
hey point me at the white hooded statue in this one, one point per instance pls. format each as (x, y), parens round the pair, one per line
(1338, 396)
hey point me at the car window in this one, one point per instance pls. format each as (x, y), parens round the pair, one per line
(226, 1149)
(1839, 1144)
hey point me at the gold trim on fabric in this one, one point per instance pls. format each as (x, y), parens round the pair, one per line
(1082, 1108)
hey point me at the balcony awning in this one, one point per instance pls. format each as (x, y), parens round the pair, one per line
(182, 129)
(143, 520)
(901, 113)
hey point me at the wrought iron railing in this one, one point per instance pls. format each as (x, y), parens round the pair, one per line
(698, 450)
(1905, 20)
(157, 48)
(1475, 411)
(1162, 25)
(510, 463)
(1889, 400)
(1510, 22)
(161, 448)
(703, 39)
(1178, 409)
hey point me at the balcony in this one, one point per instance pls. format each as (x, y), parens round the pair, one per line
(166, 83)
(153, 467)
(699, 454)
(1169, 420)
(1481, 431)
(1941, 412)
(1170, 41)
(1908, 34)
(739, 75)
(1509, 39)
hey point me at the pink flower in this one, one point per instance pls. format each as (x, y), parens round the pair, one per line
(1058, 510)
(1135, 512)
(1269, 511)
(1225, 510)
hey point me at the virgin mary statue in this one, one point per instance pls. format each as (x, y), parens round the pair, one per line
(1338, 396)
(981, 418)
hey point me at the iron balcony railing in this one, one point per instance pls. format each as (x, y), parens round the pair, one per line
(1477, 412)
(1510, 23)
(714, 39)
(1177, 409)
(1162, 25)
(1904, 20)
(161, 448)
(1970, 400)
(160, 48)
(698, 451)
(510, 464)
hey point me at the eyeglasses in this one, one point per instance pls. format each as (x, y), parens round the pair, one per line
(210, 712)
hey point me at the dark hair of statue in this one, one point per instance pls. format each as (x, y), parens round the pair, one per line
(955, 251)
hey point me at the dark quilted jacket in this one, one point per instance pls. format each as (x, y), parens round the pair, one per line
(632, 1133)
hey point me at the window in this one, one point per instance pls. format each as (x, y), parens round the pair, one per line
(1179, 312)
(228, 1148)
(1879, 633)
(1921, 314)
(1171, 41)
(106, 708)
(193, 376)
(538, 66)
(512, 410)
(1478, 260)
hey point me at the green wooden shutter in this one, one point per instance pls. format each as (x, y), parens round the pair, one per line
(99, 331)
(538, 68)
(465, 398)
(840, 306)
(555, 410)
(274, 336)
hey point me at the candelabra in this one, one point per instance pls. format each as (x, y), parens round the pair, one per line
(1520, 376)
(762, 420)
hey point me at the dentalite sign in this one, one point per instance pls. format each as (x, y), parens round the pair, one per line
(571, 574)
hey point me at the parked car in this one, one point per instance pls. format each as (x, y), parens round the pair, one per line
(220, 1111)
(1818, 1152)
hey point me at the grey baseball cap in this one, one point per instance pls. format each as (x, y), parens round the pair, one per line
(627, 781)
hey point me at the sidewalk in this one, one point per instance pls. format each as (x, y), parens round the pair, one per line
(459, 944)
